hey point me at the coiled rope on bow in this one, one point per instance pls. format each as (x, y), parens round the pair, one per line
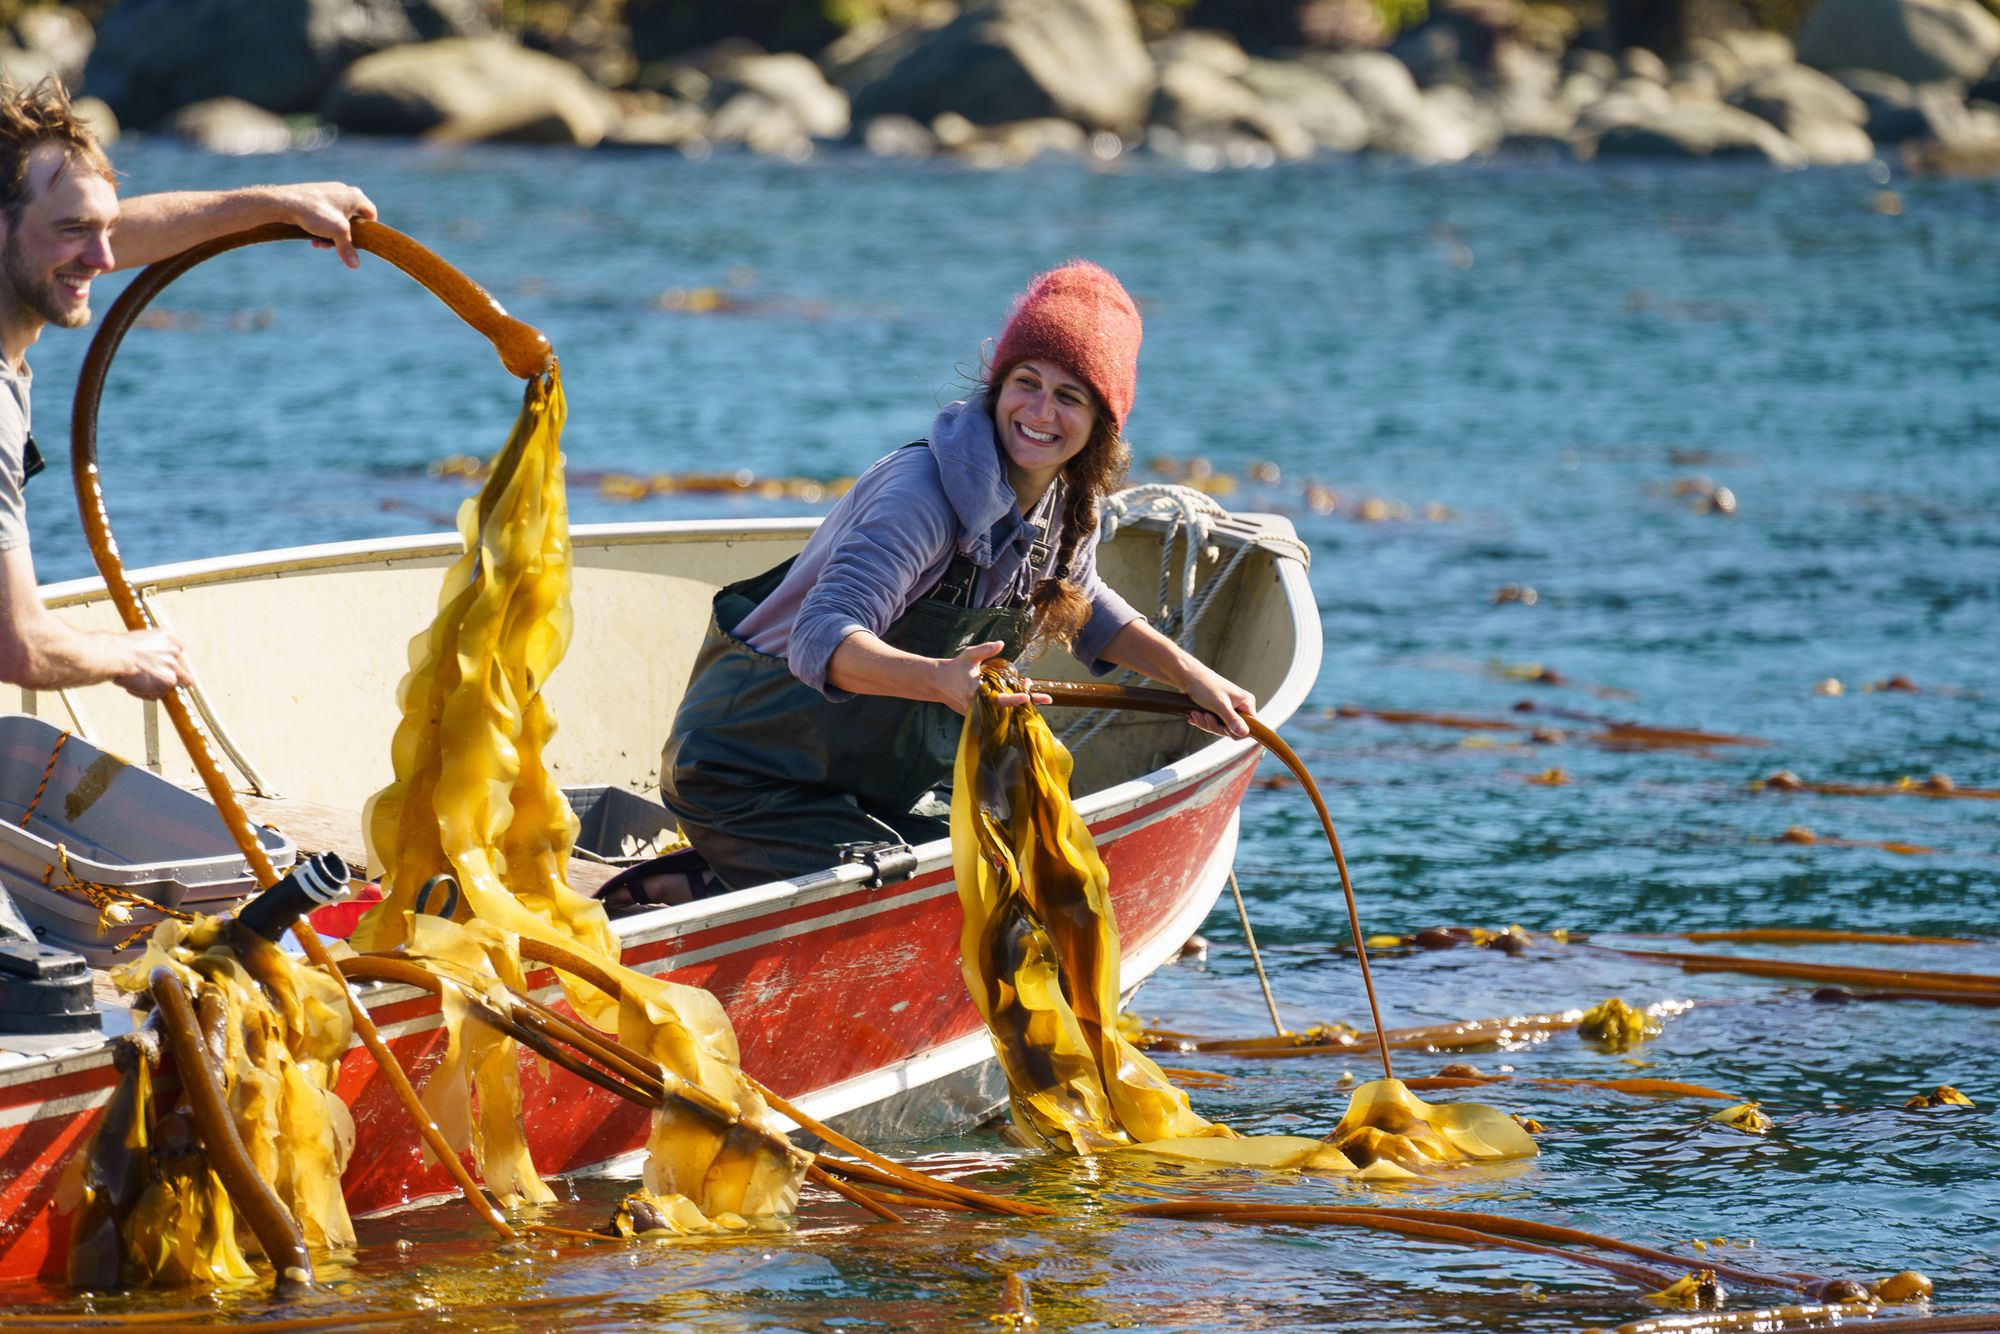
(1190, 515)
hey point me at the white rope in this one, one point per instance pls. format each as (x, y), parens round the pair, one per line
(1190, 515)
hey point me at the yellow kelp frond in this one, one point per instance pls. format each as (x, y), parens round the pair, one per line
(1944, 1096)
(473, 798)
(1039, 948)
(1617, 1025)
(149, 1209)
(1040, 953)
(1747, 1117)
(478, 963)
(1691, 1292)
(472, 795)
(1908, 1286)
(643, 1214)
(1386, 1123)
(1276, 1153)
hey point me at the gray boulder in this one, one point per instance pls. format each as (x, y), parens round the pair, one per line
(1898, 113)
(1627, 102)
(1597, 64)
(232, 126)
(469, 88)
(1378, 82)
(60, 34)
(1756, 50)
(1637, 62)
(764, 125)
(1918, 40)
(898, 137)
(1025, 140)
(1816, 113)
(646, 119)
(1199, 102)
(1315, 100)
(862, 53)
(101, 120)
(791, 81)
(1700, 130)
(1441, 124)
(152, 56)
(24, 68)
(1203, 46)
(1010, 60)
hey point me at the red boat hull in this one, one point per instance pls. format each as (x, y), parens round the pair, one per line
(843, 998)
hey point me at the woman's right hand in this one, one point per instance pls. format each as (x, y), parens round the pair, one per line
(958, 679)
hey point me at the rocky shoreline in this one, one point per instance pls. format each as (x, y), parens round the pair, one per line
(998, 83)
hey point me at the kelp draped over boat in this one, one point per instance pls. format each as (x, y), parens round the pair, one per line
(473, 799)
(1040, 956)
(150, 1206)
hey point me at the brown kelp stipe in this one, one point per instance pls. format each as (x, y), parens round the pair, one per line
(1972, 988)
(1073, 694)
(1643, 1088)
(524, 352)
(1937, 786)
(1613, 736)
(1798, 935)
(1431, 1225)
(875, 1168)
(195, 1059)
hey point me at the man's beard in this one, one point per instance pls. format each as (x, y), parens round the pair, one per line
(32, 291)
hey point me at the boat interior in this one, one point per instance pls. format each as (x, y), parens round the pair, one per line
(299, 655)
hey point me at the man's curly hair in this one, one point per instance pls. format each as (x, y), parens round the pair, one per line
(31, 117)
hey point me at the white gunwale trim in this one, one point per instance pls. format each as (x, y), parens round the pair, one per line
(646, 928)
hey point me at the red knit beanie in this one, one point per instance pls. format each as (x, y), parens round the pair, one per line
(1079, 317)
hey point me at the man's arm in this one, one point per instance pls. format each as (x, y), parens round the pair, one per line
(40, 652)
(152, 227)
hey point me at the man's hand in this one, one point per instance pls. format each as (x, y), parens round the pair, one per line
(327, 209)
(152, 227)
(159, 664)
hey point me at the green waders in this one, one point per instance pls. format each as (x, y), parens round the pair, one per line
(768, 777)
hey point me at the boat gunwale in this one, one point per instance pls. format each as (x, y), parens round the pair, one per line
(1183, 775)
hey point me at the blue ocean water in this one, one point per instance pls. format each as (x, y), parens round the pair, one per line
(1564, 361)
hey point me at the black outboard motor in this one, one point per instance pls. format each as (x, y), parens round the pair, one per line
(43, 990)
(318, 880)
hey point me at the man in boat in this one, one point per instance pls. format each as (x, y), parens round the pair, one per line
(58, 208)
(826, 701)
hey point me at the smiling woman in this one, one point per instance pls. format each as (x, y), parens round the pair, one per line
(827, 698)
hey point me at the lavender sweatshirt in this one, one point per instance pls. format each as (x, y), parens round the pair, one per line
(888, 540)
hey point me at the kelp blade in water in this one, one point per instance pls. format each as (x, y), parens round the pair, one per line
(1040, 955)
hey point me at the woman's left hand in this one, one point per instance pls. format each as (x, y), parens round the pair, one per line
(1223, 702)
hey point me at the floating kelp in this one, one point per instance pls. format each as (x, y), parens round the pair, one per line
(473, 799)
(1612, 734)
(1617, 1025)
(1040, 956)
(1747, 1117)
(1937, 786)
(1799, 834)
(1943, 1096)
(151, 1206)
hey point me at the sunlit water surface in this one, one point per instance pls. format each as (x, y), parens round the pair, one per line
(1542, 350)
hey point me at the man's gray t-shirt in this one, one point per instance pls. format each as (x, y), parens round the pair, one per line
(15, 422)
